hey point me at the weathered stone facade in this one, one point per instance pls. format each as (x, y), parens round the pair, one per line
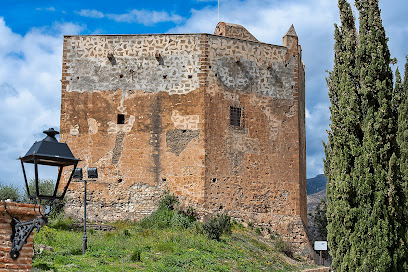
(219, 120)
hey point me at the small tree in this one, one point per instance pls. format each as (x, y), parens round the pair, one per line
(9, 192)
(218, 225)
(320, 219)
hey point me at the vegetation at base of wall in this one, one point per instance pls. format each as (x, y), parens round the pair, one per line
(154, 246)
(134, 248)
(217, 225)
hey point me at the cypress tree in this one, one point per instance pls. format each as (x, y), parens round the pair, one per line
(402, 139)
(344, 140)
(365, 199)
(403, 122)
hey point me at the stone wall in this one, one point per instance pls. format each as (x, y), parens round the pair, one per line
(153, 82)
(23, 212)
(256, 172)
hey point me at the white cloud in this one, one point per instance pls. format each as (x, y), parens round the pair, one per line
(91, 13)
(146, 17)
(47, 9)
(30, 74)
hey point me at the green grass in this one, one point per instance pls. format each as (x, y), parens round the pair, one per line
(134, 248)
(167, 240)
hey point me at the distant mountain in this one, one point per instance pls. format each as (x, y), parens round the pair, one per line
(316, 184)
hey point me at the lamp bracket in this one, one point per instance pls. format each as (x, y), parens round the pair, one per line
(21, 231)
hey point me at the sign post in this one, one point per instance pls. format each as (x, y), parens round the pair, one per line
(320, 245)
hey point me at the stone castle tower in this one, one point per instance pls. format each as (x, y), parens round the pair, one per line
(218, 120)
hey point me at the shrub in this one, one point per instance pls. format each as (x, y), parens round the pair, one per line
(45, 187)
(61, 223)
(9, 192)
(258, 231)
(218, 225)
(283, 246)
(197, 227)
(159, 219)
(126, 233)
(136, 253)
(180, 221)
(190, 213)
(167, 216)
(168, 202)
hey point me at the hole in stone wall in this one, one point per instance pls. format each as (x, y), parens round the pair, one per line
(121, 119)
(165, 77)
(235, 116)
(121, 76)
(184, 131)
(164, 180)
(214, 180)
(221, 207)
(159, 59)
(190, 76)
(209, 66)
(216, 74)
(120, 180)
(111, 58)
(77, 77)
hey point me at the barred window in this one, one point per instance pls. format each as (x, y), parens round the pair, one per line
(121, 119)
(235, 116)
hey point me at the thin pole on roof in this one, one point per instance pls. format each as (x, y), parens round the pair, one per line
(218, 10)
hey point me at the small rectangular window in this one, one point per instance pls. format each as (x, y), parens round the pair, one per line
(235, 116)
(121, 119)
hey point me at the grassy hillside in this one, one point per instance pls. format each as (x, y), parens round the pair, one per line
(131, 248)
(168, 240)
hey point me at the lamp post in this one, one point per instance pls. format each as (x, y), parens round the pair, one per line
(92, 175)
(48, 152)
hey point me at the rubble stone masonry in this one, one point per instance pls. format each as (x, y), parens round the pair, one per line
(154, 113)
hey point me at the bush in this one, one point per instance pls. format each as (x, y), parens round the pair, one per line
(168, 202)
(61, 223)
(45, 186)
(258, 231)
(167, 216)
(9, 192)
(283, 246)
(135, 257)
(218, 225)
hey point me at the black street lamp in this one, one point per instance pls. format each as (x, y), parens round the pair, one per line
(92, 175)
(48, 152)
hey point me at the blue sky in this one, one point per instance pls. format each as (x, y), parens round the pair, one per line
(31, 53)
